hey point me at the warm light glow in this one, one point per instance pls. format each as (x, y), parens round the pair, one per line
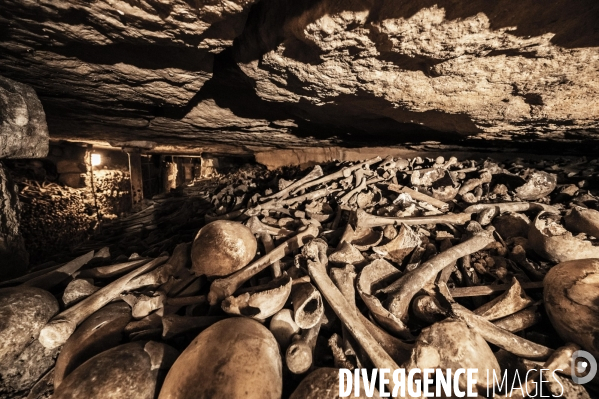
(96, 159)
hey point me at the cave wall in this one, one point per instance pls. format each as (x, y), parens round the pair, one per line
(15, 258)
(23, 134)
(23, 129)
(246, 76)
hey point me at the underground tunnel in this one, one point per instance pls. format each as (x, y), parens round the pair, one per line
(307, 199)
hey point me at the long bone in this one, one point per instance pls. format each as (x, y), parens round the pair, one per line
(359, 187)
(62, 326)
(299, 354)
(317, 261)
(364, 219)
(308, 308)
(500, 337)
(111, 270)
(312, 195)
(54, 277)
(344, 279)
(345, 172)
(274, 204)
(403, 290)
(314, 174)
(512, 207)
(418, 196)
(222, 288)
(519, 321)
(264, 232)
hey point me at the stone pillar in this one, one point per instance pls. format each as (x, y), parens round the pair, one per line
(170, 176)
(137, 188)
(23, 134)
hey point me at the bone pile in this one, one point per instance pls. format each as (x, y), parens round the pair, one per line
(53, 217)
(386, 263)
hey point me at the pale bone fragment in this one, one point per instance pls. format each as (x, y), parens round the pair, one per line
(142, 304)
(426, 177)
(485, 177)
(283, 327)
(550, 240)
(62, 326)
(418, 196)
(347, 197)
(312, 195)
(260, 304)
(346, 253)
(377, 273)
(77, 290)
(314, 174)
(403, 290)
(320, 211)
(445, 193)
(364, 219)
(317, 261)
(298, 356)
(54, 277)
(257, 227)
(582, 220)
(401, 246)
(111, 270)
(222, 288)
(364, 239)
(308, 308)
(508, 303)
(345, 172)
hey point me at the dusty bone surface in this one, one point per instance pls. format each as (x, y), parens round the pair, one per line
(466, 281)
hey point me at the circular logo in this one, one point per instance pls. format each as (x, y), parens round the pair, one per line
(584, 367)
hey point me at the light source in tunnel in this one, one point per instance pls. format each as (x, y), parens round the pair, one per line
(96, 159)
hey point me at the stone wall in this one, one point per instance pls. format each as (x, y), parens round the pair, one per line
(23, 129)
(15, 258)
(23, 134)
(245, 76)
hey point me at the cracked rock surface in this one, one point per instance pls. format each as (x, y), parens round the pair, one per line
(250, 75)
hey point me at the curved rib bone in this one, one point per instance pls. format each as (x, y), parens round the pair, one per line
(404, 289)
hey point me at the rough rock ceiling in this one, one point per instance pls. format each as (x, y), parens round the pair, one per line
(249, 75)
